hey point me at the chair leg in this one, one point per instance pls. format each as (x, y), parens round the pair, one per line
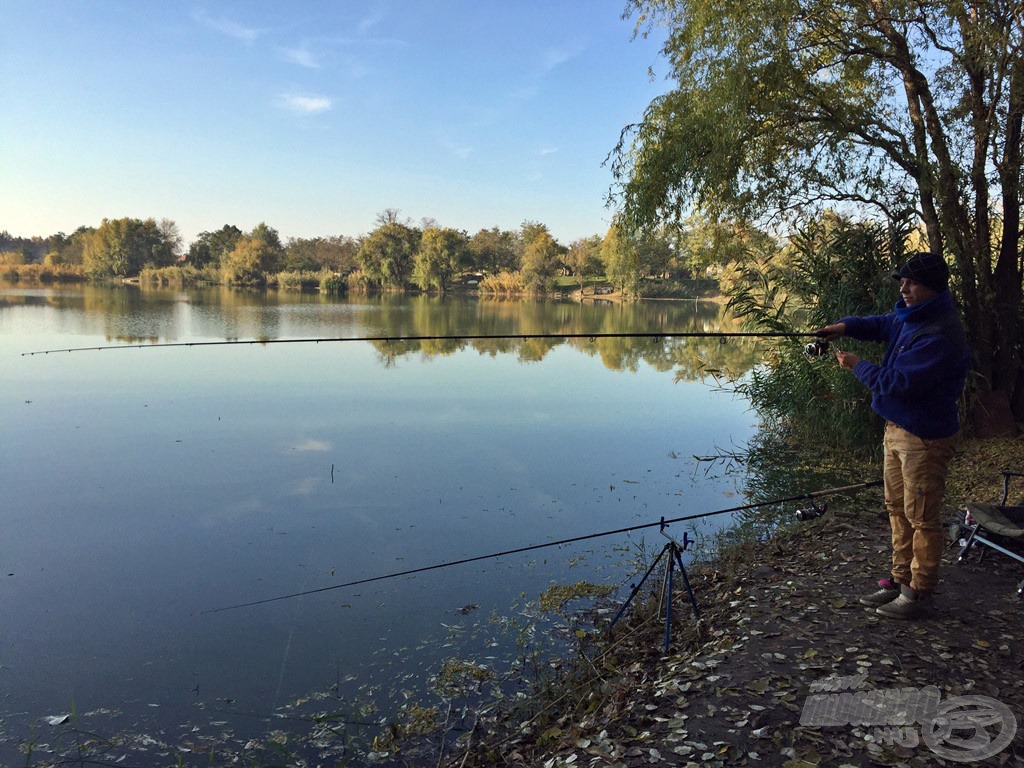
(967, 544)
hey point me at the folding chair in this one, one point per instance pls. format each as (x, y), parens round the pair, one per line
(995, 525)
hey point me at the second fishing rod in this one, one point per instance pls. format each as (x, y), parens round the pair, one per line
(802, 515)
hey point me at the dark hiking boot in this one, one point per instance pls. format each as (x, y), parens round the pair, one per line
(908, 605)
(886, 593)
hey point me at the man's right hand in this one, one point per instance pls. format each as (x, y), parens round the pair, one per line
(831, 332)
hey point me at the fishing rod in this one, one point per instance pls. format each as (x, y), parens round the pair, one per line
(464, 337)
(449, 563)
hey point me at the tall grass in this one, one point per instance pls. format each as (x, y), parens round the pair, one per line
(296, 280)
(43, 273)
(503, 284)
(178, 274)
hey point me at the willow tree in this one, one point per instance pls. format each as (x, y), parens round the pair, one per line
(894, 107)
(442, 252)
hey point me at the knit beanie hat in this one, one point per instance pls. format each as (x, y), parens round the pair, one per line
(926, 268)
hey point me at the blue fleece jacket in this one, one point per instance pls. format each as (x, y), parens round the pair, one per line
(921, 377)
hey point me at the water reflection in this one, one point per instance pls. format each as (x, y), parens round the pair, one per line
(142, 486)
(132, 315)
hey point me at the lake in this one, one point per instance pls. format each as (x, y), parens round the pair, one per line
(141, 488)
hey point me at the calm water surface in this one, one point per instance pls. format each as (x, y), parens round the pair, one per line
(139, 488)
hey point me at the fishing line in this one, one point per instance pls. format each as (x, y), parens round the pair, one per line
(448, 564)
(467, 337)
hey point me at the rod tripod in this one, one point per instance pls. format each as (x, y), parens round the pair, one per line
(673, 552)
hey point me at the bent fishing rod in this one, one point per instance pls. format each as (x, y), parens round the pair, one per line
(459, 337)
(449, 563)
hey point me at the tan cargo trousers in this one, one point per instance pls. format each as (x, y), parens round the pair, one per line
(915, 481)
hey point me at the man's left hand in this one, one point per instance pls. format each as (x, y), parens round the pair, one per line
(847, 359)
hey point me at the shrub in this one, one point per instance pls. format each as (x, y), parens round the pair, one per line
(297, 280)
(503, 284)
(333, 283)
(833, 268)
(358, 281)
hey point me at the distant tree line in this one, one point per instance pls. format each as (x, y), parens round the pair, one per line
(395, 255)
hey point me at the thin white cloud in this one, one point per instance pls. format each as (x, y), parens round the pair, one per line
(301, 56)
(369, 22)
(393, 42)
(556, 57)
(227, 26)
(306, 104)
(461, 151)
(548, 150)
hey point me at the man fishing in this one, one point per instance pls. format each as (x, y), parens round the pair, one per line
(916, 389)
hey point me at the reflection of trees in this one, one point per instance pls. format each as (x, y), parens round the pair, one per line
(166, 314)
(690, 358)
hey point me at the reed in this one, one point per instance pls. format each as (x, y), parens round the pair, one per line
(43, 273)
(296, 280)
(503, 284)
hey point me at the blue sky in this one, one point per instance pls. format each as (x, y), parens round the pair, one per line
(314, 116)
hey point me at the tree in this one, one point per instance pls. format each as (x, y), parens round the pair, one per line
(494, 250)
(69, 249)
(270, 248)
(621, 260)
(337, 254)
(541, 260)
(244, 265)
(254, 257)
(122, 247)
(897, 107)
(655, 251)
(584, 258)
(212, 247)
(705, 244)
(441, 253)
(386, 255)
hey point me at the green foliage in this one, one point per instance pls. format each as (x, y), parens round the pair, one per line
(494, 250)
(298, 280)
(244, 265)
(337, 254)
(621, 260)
(333, 283)
(783, 106)
(441, 253)
(583, 259)
(212, 247)
(541, 260)
(833, 268)
(122, 247)
(254, 257)
(707, 246)
(387, 255)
